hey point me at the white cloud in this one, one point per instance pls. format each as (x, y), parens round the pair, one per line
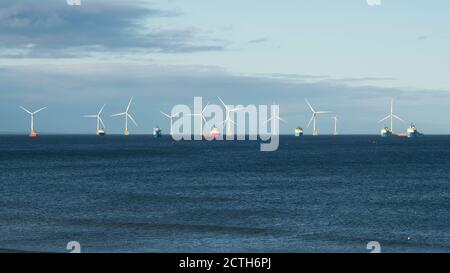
(74, 2)
(374, 2)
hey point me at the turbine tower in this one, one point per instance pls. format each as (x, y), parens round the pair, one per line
(33, 132)
(391, 116)
(127, 115)
(100, 131)
(228, 119)
(314, 117)
(274, 127)
(202, 118)
(171, 120)
(335, 126)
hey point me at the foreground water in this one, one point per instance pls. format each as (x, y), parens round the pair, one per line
(140, 194)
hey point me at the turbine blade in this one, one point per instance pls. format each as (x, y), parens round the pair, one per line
(204, 119)
(43, 108)
(323, 112)
(282, 120)
(132, 119)
(310, 107)
(176, 115)
(398, 118)
(129, 104)
(204, 109)
(24, 109)
(90, 116)
(265, 122)
(309, 123)
(120, 114)
(165, 114)
(101, 110)
(384, 119)
(101, 121)
(226, 107)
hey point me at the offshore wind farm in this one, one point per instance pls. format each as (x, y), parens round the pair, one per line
(230, 124)
(241, 127)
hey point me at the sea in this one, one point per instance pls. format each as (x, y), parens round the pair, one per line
(145, 194)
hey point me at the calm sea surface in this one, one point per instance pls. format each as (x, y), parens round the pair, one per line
(140, 194)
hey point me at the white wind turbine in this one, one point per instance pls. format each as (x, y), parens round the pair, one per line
(32, 114)
(391, 116)
(335, 125)
(100, 131)
(171, 120)
(127, 115)
(202, 118)
(274, 127)
(228, 119)
(314, 117)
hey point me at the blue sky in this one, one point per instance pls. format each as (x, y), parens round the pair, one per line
(343, 55)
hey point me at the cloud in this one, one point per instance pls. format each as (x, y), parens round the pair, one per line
(364, 79)
(73, 2)
(374, 2)
(258, 41)
(326, 78)
(52, 28)
(422, 37)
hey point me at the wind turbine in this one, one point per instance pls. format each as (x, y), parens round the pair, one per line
(391, 116)
(127, 115)
(314, 117)
(228, 119)
(335, 126)
(171, 120)
(100, 131)
(274, 129)
(33, 132)
(202, 118)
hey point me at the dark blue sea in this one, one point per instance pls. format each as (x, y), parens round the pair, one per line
(140, 194)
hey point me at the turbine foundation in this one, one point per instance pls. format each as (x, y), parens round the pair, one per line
(33, 133)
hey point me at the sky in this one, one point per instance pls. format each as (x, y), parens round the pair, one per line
(346, 56)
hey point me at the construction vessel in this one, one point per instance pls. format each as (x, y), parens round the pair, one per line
(157, 132)
(412, 131)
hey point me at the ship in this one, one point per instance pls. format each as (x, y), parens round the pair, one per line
(386, 132)
(215, 132)
(412, 131)
(298, 131)
(157, 132)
